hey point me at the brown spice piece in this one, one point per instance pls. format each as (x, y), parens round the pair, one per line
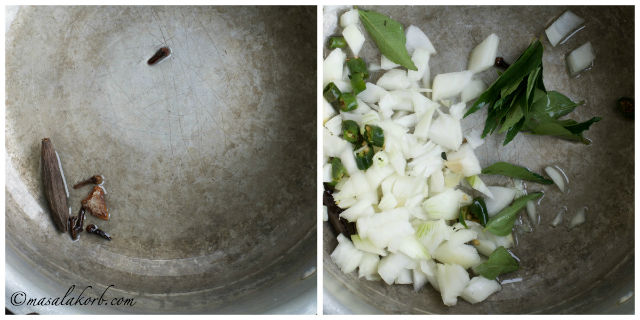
(92, 228)
(76, 224)
(54, 189)
(97, 179)
(96, 204)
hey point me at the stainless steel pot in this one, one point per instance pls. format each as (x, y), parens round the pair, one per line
(208, 157)
(589, 269)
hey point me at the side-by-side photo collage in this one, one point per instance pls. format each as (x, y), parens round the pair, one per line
(319, 160)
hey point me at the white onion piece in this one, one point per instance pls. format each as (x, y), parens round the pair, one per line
(581, 58)
(446, 131)
(474, 138)
(368, 267)
(372, 93)
(366, 245)
(451, 179)
(419, 279)
(531, 212)
(348, 161)
(386, 64)
(345, 255)
(502, 197)
(558, 219)
(332, 66)
(334, 125)
(333, 146)
(479, 288)
(444, 205)
(460, 254)
(452, 279)
(344, 86)
(361, 208)
(477, 183)
(407, 121)
(394, 79)
(390, 266)
(558, 177)
(562, 27)
(420, 59)
(411, 247)
(436, 182)
(485, 247)
(404, 277)
(422, 127)
(387, 202)
(472, 90)
(327, 110)
(374, 67)
(432, 233)
(448, 85)
(579, 218)
(417, 39)
(381, 228)
(325, 213)
(464, 161)
(326, 172)
(350, 17)
(354, 38)
(484, 55)
(457, 110)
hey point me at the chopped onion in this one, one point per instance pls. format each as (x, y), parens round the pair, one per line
(444, 205)
(422, 127)
(354, 38)
(558, 177)
(326, 173)
(472, 90)
(563, 26)
(350, 17)
(334, 146)
(334, 125)
(474, 138)
(328, 110)
(374, 67)
(332, 66)
(448, 85)
(457, 110)
(348, 161)
(386, 64)
(464, 161)
(394, 79)
(432, 233)
(436, 182)
(345, 255)
(420, 58)
(385, 226)
(446, 131)
(405, 277)
(531, 212)
(325, 213)
(361, 208)
(477, 183)
(388, 202)
(419, 279)
(581, 58)
(558, 219)
(391, 266)
(484, 55)
(451, 179)
(460, 254)
(367, 246)
(502, 197)
(372, 93)
(579, 218)
(452, 279)
(417, 39)
(368, 267)
(411, 247)
(479, 288)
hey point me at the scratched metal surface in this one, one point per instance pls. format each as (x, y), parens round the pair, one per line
(589, 269)
(209, 156)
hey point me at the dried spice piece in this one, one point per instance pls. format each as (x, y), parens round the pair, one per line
(96, 204)
(97, 179)
(92, 228)
(339, 225)
(500, 63)
(76, 224)
(54, 186)
(159, 55)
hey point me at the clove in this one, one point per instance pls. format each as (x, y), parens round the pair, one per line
(92, 228)
(500, 63)
(159, 55)
(97, 179)
(55, 189)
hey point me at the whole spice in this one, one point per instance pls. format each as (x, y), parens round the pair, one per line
(97, 179)
(500, 63)
(159, 55)
(54, 185)
(626, 106)
(76, 224)
(96, 204)
(92, 228)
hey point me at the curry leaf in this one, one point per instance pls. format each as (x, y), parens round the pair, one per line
(511, 170)
(388, 35)
(502, 223)
(500, 261)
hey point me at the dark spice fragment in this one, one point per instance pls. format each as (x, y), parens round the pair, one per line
(97, 179)
(54, 187)
(76, 224)
(96, 204)
(627, 107)
(159, 55)
(92, 228)
(339, 225)
(500, 63)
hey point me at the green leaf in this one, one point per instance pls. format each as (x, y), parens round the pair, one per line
(532, 79)
(578, 128)
(500, 261)
(514, 115)
(559, 105)
(513, 131)
(511, 170)
(461, 217)
(388, 35)
(502, 223)
(478, 209)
